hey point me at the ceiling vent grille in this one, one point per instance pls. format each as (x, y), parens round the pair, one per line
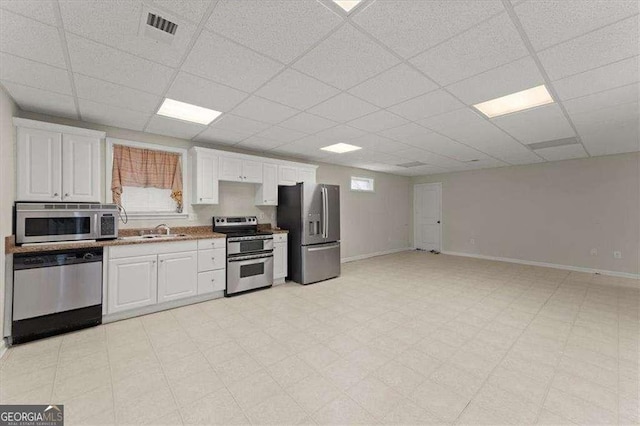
(553, 143)
(162, 24)
(475, 160)
(411, 164)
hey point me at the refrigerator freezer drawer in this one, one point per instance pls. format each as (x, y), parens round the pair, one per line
(320, 262)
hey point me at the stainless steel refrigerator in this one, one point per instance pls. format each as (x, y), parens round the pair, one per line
(311, 214)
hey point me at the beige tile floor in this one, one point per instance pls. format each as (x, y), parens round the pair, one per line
(411, 338)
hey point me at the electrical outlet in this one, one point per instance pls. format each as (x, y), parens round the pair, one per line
(617, 255)
(261, 216)
(472, 241)
(594, 252)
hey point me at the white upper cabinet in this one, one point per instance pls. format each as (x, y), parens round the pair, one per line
(57, 163)
(39, 165)
(267, 193)
(80, 168)
(204, 167)
(290, 175)
(240, 170)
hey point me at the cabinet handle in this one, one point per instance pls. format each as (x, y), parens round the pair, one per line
(213, 258)
(200, 199)
(162, 261)
(66, 194)
(154, 262)
(212, 280)
(55, 194)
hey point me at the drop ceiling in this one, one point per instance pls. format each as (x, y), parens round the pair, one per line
(397, 78)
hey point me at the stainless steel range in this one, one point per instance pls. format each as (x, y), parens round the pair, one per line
(249, 254)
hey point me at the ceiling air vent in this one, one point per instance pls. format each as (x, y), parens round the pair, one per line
(157, 28)
(472, 161)
(411, 164)
(553, 143)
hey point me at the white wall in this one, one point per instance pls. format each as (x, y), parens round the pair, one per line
(370, 223)
(552, 212)
(7, 194)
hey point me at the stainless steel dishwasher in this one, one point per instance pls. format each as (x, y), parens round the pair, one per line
(55, 292)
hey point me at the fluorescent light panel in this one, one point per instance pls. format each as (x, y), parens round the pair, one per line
(341, 148)
(187, 112)
(347, 5)
(519, 101)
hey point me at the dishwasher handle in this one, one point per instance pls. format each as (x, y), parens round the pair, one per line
(24, 261)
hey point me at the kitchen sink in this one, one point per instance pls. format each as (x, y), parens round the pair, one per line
(152, 237)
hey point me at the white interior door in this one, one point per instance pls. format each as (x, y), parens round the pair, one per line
(427, 215)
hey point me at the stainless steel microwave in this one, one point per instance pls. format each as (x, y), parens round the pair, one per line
(52, 222)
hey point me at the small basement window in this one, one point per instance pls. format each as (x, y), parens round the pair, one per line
(361, 184)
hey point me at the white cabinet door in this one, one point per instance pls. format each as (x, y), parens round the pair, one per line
(230, 169)
(39, 165)
(81, 168)
(206, 178)
(287, 175)
(279, 260)
(267, 193)
(307, 175)
(251, 171)
(132, 283)
(177, 276)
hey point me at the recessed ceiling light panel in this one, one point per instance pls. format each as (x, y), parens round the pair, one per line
(347, 5)
(341, 148)
(519, 101)
(187, 112)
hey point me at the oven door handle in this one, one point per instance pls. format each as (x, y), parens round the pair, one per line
(253, 238)
(246, 258)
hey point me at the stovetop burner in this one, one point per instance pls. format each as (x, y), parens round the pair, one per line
(233, 226)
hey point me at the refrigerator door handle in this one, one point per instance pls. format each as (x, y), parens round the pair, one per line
(326, 211)
(332, 246)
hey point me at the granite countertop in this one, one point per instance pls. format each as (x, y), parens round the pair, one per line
(192, 233)
(268, 227)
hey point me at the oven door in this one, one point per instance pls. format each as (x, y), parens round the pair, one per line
(249, 272)
(42, 227)
(246, 245)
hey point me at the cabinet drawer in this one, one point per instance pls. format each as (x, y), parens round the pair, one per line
(145, 249)
(211, 281)
(209, 260)
(279, 238)
(213, 243)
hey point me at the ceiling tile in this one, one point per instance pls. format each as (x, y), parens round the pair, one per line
(307, 123)
(598, 79)
(205, 93)
(34, 9)
(590, 121)
(118, 25)
(491, 44)
(345, 58)
(94, 112)
(343, 108)
(551, 22)
(174, 128)
(306, 148)
(378, 121)
(510, 78)
(340, 133)
(36, 100)
(540, 124)
(604, 99)
(220, 136)
(221, 60)
(613, 138)
(433, 103)
(239, 124)
(106, 63)
(193, 9)
(393, 86)
(263, 110)
(35, 74)
(281, 134)
(410, 27)
(30, 39)
(609, 44)
(378, 143)
(525, 156)
(114, 94)
(565, 152)
(278, 28)
(296, 90)
(485, 163)
(260, 143)
(418, 154)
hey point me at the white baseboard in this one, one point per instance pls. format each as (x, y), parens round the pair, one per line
(3, 348)
(547, 265)
(368, 255)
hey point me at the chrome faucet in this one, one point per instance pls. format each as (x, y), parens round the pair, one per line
(162, 225)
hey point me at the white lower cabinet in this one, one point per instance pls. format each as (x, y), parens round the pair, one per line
(280, 252)
(177, 276)
(132, 283)
(211, 281)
